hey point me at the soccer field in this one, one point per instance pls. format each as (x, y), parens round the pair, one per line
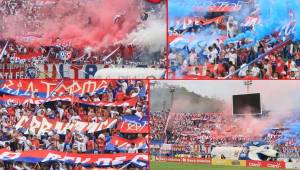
(185, 166)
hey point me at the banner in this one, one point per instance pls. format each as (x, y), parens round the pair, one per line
(122, 144)
(126, 127)
(44, 88)
(100, 160)
(24, 100)
(13, 71)
(184, 160)
(135, 119)
(228, 162)
(265, 164)
(39, 125)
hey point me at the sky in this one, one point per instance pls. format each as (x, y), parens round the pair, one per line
(275, 95)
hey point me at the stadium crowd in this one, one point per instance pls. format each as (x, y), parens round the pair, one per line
(200, 132)
(214, 58)
(157, 123)
(17, 140)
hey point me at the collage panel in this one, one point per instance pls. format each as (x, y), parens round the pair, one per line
(74, 124)
(129, 84)
(233, 39)
(203, 124)
(81, 39)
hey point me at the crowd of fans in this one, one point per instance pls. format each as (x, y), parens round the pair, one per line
(16, 53)
(74, 141)
(60, 52)
(157, 123)
(214, 58)
(207, 130)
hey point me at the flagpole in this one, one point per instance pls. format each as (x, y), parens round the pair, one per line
(3, 50)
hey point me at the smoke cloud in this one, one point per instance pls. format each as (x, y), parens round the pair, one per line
(92, 23)
(273, 15)
(151, 34)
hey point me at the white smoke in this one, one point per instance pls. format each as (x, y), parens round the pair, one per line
(151, 34)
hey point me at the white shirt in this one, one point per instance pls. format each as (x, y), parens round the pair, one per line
(124, 86)
(212, 55)
(233, 58)
(60, 111)
(255, 71)
(193, 59)
(243, 72)
(132, 150)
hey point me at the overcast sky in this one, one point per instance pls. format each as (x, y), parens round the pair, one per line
(277, 95)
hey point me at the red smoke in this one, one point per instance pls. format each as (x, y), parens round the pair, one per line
(89, 23)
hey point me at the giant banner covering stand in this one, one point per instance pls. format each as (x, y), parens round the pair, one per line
(39, 125)
(99, 160)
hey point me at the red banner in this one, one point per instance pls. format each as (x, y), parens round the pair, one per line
(126, 127)
(23, 100)
(39, 125)
(265, 164)
(100, 160)
(154, 1)
(45, 88)
(184, 160)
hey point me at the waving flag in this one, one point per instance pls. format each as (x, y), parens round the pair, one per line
(126, 127)
(179, 43)
(135, 119)
(122, 144)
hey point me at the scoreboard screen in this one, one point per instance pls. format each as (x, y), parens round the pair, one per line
(246, 104)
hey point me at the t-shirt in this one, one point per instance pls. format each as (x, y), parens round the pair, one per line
(132, 150)
(101, 144)
(90, 145)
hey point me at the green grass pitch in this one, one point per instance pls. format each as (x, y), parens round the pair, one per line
(185, 166)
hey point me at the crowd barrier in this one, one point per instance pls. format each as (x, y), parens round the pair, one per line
(226, 162)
